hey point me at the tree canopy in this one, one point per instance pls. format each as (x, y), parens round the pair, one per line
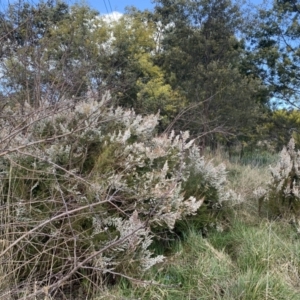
(199, 63)
(274, 44)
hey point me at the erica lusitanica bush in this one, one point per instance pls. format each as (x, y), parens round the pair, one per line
(86, 188)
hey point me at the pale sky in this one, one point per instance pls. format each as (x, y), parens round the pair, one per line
(107, 6)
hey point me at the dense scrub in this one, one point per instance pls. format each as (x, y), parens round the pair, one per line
(86, 188)
(252, 258)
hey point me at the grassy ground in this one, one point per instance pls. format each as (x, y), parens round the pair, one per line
(258, 261)
(252, 259)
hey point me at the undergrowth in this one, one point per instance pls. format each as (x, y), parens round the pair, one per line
(96, 206)
(247, 262)
(88, 190)
(251, 258)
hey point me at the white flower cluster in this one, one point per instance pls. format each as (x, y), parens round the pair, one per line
(283, 167)
(135, 239)
(215, 176)
(260, 192)
(287, 169)
(284, 183)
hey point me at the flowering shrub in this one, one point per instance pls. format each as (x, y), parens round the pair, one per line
(209, 183)
(83, 188)
(281, 198)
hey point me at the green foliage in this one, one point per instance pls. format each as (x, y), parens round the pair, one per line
(277, 131)
(71, 51)
(138, 82)
(274, 46)
(202, 60)
(25, 33)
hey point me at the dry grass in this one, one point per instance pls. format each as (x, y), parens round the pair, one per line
(244, 176)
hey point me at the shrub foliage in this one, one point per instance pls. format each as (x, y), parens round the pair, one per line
(84, 189)
(281, 198)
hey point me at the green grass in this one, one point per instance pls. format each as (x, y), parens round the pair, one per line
(247, 262)
(255, 159)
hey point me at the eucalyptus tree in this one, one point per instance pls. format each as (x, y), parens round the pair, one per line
(204, 60)
(275, 49)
